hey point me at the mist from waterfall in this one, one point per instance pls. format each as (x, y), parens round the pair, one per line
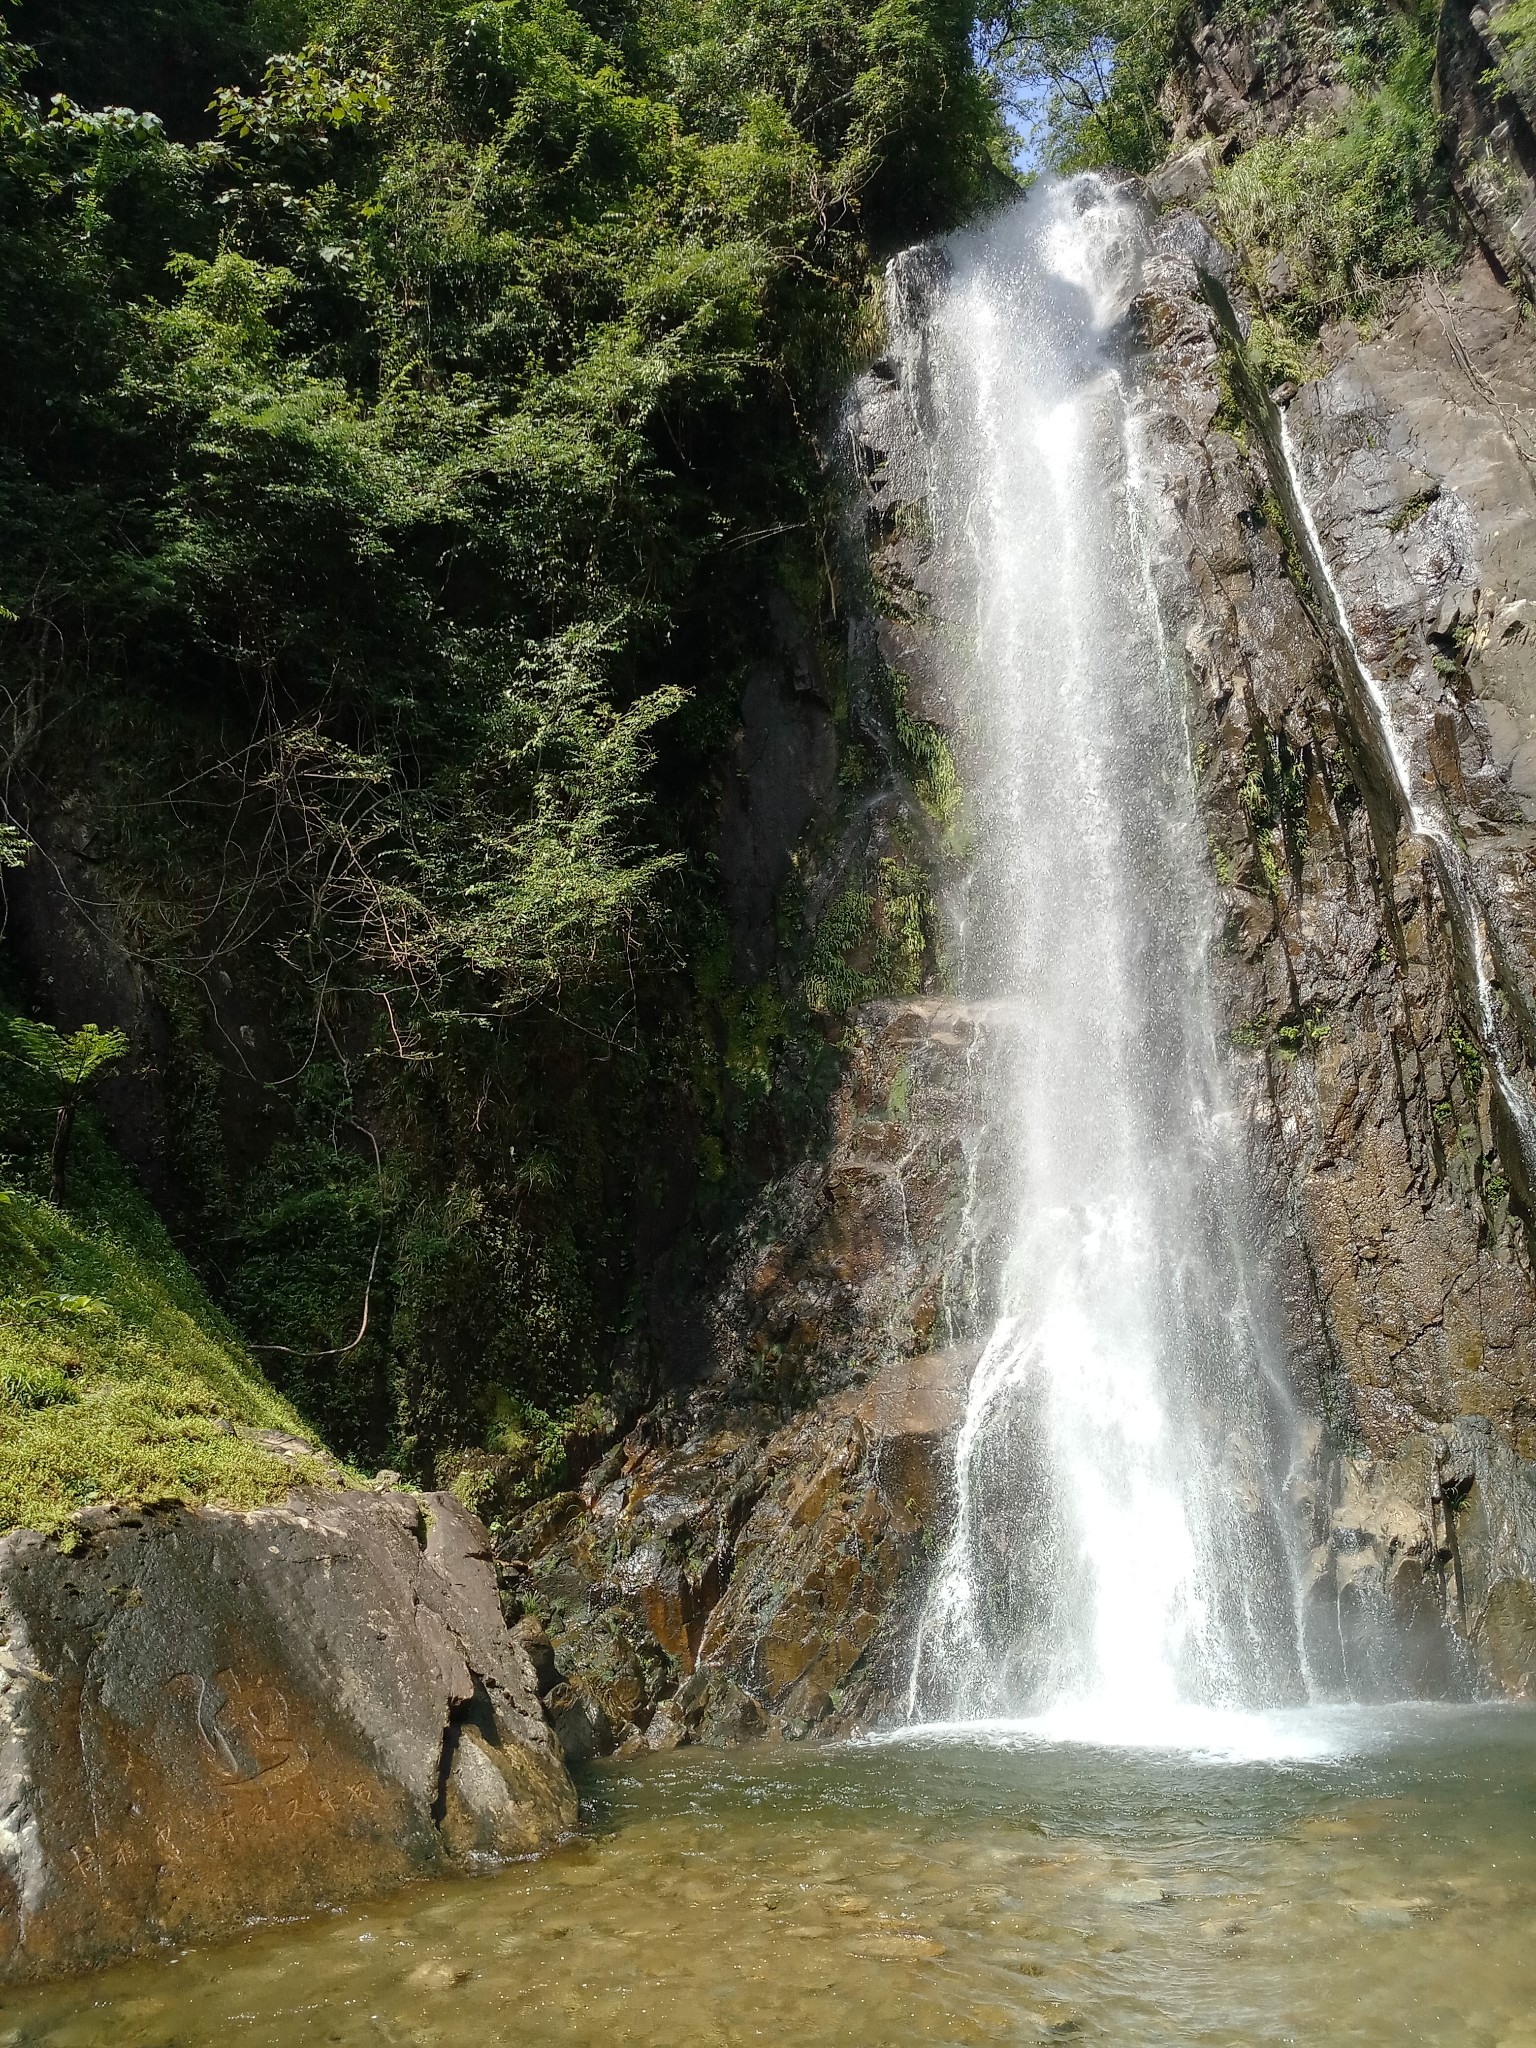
(1122, 1553)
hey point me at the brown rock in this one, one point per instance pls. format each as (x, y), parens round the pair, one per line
(207, 1716)
(810, 1544)
(529, 1635)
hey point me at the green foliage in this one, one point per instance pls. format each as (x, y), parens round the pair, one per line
(1101, 64)
(392, 462)
(1326, 217)
(66, 1064)
(872, 942)
(926, 753)
(1515, 27)
(1273, 793)
(304, 96)
(164, 54)
(67, 1061)
(1302, 1034)
(1469, 1058)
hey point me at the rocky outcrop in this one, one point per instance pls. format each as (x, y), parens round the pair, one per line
(725, 1576)
(1492, 141)
(1242, 77)
(1383, 1109)
(208, 1716)
(871, 1249)
(1426, 1574)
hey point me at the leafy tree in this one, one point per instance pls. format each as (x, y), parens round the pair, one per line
(1089, 73)
(392, 471)
(168, 55)
(69, 1063)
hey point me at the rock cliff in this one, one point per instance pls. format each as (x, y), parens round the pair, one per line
(1344, 572)
(749, 1560)
(1347, 590)
(1348, 587)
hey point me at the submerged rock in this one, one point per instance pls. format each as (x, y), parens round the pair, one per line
(208, 1716)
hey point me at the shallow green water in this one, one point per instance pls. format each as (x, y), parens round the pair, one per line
(1003, 1889)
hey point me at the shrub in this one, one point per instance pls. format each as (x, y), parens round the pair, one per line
(1327, 218)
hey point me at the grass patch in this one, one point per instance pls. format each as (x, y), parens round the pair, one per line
(1326, 219)
(119, 1380)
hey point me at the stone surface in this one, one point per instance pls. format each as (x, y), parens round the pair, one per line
(1441, 1538)
(1392, 1198)
(783, 771)
(1492, 146)
(739, 1577)
(873, 1247)
(209, 1716)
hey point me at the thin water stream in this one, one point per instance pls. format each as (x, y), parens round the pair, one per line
(1451, 859)
(1333, 1876)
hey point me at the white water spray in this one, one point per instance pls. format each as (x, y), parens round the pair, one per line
(1119, 1555)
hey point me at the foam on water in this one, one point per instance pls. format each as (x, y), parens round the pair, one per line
(1203, 1734)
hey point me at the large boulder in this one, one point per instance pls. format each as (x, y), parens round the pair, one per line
(208, 1716)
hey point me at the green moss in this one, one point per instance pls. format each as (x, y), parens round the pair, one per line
(872, 942)
(899, 1100)
(119, 1381)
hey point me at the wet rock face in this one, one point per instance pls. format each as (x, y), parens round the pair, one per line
(1391, 1188)
(728, 1576)
(871, 1249)
(1438, 1545)
(208, 1716)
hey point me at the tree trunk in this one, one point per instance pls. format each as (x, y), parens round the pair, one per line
(60, 1153)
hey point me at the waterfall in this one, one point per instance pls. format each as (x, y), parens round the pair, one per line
(1120, 1554)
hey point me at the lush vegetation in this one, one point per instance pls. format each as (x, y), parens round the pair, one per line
(416, 421)
(401, 437)
(1329, 216)
(118, 1377)
(1515, 26)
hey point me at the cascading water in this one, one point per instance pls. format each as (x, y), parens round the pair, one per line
(1120, 1553)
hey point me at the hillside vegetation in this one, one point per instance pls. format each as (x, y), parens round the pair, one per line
(412, 411)
(119, 1380)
